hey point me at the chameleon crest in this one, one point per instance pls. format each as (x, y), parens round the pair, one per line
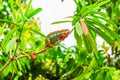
(56, 36)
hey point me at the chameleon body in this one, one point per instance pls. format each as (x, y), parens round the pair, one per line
(56, 36)
(53, 38)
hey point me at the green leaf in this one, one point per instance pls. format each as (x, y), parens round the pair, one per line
(78, 29)
(2, 28)
(102, 14)
(38, 33)
(93, 34)
(76, 19)
(8, 36)
(102, 3)
(28, 8)
(19, 65)
(101, 75)
(87, 43)
(87, 72)
(87, 75)
(19, 73)
(13, 11)
(78, 39)
(1, 65)
(23, 43)
(104, 17)
(60, 53)
(7, 69)
(78, 70)
(116, 75)
(15, 67)
(82, 55)
(8, 21)
(93, 45)
(77, 34)
(11, 44)
(70, 64)
(58, 22)
(91, 8)
(27, 63)
(79, 5)
(104, 27)
(4, 58)
(33, 13)
(108, 76)
(100, 57)
(101, 33)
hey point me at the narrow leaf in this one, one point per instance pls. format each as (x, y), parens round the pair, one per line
(87, 44)
(28, 7)
(78, 29)
(4, 58)
(7, 69)
(7, 37)
(108, 21)
(76, 19)
(104, 27)
(94, 47)
(91, 8)
(82, 55)
(11, 44)
(2, 29)
(78, 39)
(38, 33)
(19, 65)
(105, 36)
(58, 22)
(36, 11)
(102, 3)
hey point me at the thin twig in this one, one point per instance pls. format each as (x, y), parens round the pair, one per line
(35, 53)
(22, 56)
(72, 30)
(19, 38)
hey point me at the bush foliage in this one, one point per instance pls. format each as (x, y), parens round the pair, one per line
(20, 35)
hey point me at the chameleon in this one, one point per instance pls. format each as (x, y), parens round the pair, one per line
(52, 39)
(56, 36)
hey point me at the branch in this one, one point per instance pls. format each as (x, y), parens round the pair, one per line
(7, 63)
(33, 53)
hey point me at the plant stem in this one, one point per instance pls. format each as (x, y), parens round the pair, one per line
(6, 64)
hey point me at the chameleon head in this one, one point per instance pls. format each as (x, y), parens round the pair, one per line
(65, 33)
(56, 36)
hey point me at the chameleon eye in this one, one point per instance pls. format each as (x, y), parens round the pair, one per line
(64, 35)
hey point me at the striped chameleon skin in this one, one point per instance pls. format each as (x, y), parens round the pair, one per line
(56, 36)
